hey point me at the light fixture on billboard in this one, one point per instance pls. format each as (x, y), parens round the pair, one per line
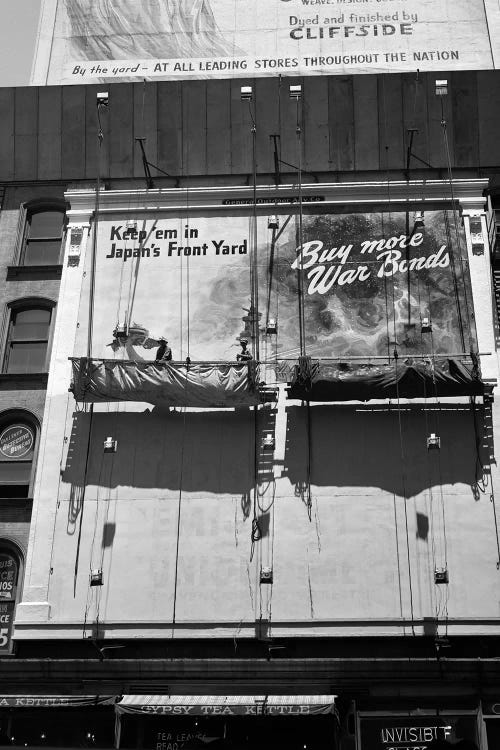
(488, 396)
(266, 574)
(120, 333)
(441, 575)
(246, 93)
(102, 98)
(433, 442)
(476, 235)
(110, 445)
(273, 222)
(441, 87)
(426, 325)
(418, 219)
(296, 91)
(96, 577)
(272, 326)
(268, 442)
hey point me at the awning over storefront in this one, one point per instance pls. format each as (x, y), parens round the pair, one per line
(403, 378)
(55, 701)
(205, 385)
(227, 705)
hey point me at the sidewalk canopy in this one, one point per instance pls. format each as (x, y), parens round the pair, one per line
(227, 705)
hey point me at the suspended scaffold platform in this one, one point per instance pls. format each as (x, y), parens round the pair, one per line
(205, 385)
(409, 378)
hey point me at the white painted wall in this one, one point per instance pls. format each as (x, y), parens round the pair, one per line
(169, 516)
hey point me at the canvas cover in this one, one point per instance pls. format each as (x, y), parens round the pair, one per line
(403, 378)
(199, 385)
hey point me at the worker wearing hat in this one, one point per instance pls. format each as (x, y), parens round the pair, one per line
(244, 355)
(164, 352)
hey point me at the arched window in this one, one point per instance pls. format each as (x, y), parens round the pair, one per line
(26, 348)
(18, 442)
(43, 232)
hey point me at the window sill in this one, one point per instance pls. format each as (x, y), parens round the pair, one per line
(11, 381)
(38, 272)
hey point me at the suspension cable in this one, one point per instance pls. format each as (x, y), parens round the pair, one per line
(300, 289)
(254, 280)
(396, 359)
(100, 138)
(455, 218)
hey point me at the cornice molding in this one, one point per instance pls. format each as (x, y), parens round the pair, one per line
(414, 193)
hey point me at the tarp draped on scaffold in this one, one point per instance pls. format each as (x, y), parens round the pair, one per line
(402, 378)
(197, 385)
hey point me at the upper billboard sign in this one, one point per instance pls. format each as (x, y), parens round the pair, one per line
(84, 41)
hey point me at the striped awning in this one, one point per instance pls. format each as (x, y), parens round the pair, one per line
(227, 705)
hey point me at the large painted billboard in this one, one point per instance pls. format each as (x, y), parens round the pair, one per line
(93, 40)
(364, 284)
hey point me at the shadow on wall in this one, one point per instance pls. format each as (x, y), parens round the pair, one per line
(213, 452)
(200, 451)
(359, 446)
(422, 526)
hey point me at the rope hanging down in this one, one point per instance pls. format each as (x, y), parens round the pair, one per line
(102, 103)
(254, 277)
(457, 235)
(304, 361)
(396, 360)
(300, 286)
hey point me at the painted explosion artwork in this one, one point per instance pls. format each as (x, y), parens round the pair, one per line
(366, 282)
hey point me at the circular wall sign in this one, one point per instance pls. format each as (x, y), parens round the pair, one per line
(16, 441)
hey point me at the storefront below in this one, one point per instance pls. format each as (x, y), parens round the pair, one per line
(225, 722)
(170, 722)
(420, 731)
(228, 722)
(45, 721)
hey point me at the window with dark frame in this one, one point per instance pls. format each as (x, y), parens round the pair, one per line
(28, 338)
(18, 435)
(43, 236)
